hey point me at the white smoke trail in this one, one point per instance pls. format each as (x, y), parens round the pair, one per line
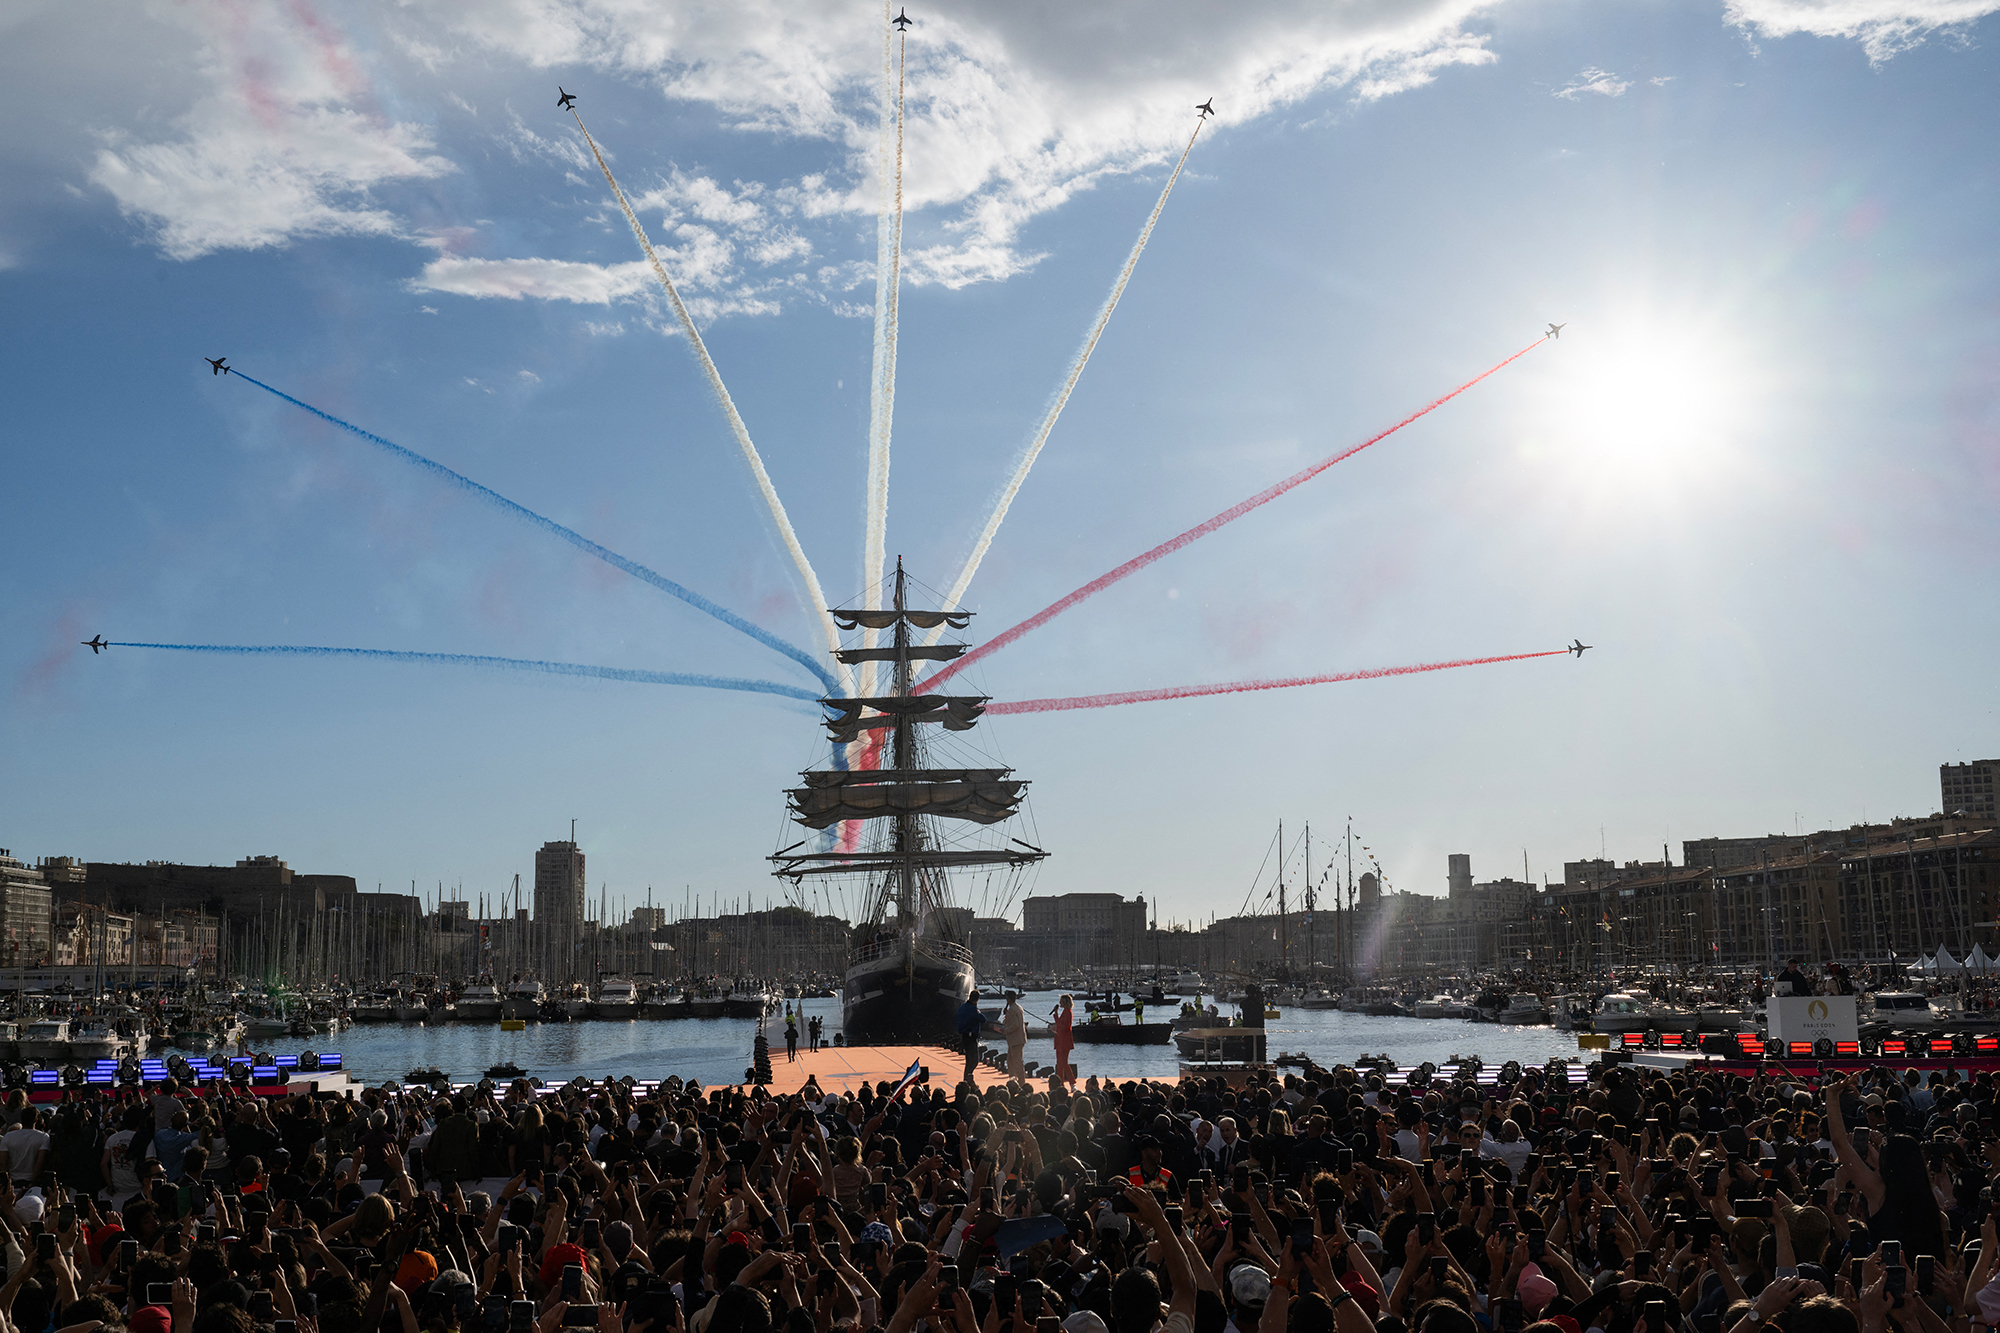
(888, 285)
(1056, 404)
(742, 432)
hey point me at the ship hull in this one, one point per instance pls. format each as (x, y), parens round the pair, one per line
(895, 994)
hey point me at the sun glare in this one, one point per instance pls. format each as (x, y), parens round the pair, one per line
(1654, 405)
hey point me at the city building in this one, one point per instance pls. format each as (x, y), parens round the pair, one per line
(1968, 788)
(1898, 899)
(1084, 930)
(559, 883)
(24, 914)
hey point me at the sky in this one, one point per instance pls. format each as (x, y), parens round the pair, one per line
(1758, 470)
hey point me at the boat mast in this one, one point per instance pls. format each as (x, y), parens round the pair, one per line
(906, 821)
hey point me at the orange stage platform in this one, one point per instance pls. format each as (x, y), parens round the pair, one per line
(841, 1068)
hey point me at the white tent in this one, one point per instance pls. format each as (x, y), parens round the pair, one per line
(1977, 961)
(1944, 962)
(1922, 965)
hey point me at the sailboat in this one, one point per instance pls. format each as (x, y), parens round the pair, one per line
(908, 967)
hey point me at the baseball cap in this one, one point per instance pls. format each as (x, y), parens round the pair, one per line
(1249, 1284)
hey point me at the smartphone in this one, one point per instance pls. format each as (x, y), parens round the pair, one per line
(1048, 1323)
(878, 1194)
(591, 1233)
(572, 1282)
(1854, 1274)
(285, 1326)
(45, 1246)
(65, 1218)
(1343, 1161)
(260, 1305)
(802, 1235)
(1439, 1267)
(1302, 1237)
(1427, 1228)
(1033, 1292)
(1006, 1290)
(1891, 1253)
(1239, 1180)
(1656, 1318)
(947, 1279)
(128, 1253)
(1711, 1175)
(363, 1265)
(732, 1176)
(1926, 1273)
(1510, 1316)
(204, 1233)
(764, 1176)
(1537, 1241)
(580, 1316)
(1239, 1227)
(1479, 1191)
(521, 1317)
(1176, 1218)
(1898, 1278)
(160, 1293)
(1753, 1208)
(1530, 1164)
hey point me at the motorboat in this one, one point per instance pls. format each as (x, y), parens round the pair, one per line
(1636, 1011)
(46, 1039)
(479, 1003)
(375, 1008)
(410, 1007)
(575, 1003)
(1522, 1010)
(1438, 1006)
(617, 998)
(523, 998)
(1901, 1008)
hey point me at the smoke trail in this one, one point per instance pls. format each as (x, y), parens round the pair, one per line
(509, 663)
(1056, 404)
(888, 285)
(1230, 515)
(576, 539)
(815, 598)
(1242, 686)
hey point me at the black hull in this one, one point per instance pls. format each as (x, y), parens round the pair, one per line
(888, 999)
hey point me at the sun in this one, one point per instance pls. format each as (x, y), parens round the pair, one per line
(1652, 403)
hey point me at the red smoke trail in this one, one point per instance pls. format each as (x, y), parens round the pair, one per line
(1139, 562)
(1241, 686)
(871, 758)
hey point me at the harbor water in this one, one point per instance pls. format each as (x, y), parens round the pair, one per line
(717, 1050)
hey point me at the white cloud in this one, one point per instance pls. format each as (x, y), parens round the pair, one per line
(1594, 80)
(542, 279)
(1883, 27)
(608, 329)
(277, 144)
(1011, 112)
(428, 309)
(529, 376)
(1662, 80)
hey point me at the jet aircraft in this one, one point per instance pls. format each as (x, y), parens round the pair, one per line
(217, 365)
(562, 102)
(1207, 108)
(1555, 331)
(1577, 647)
(96, 645)
(902, 21)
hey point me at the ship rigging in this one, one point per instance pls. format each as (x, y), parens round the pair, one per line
(910, 962)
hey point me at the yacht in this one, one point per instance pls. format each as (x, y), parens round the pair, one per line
(1523, 1009)
(410, 1006)
(616, 998)
(365, 1009)
(46, 1039)
(1901, 1008)
(1636, 1011)
(1438, 1006)
(523, 999)
(479, 1002)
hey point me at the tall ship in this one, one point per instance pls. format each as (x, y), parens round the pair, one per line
(903, 825)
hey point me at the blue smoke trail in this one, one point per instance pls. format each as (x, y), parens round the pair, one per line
(576, 539)
(510, 663)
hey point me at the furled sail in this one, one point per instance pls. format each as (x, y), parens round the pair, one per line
(841, 777)
(980, 802)
(955, 712)
(914, 652)
(886, 619)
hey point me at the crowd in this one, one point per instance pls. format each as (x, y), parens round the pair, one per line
(1327, 1201)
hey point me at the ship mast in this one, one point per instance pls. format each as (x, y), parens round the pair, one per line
(905, 753)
